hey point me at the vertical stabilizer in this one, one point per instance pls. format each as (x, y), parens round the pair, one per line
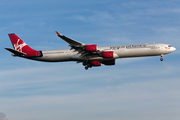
(21, 46)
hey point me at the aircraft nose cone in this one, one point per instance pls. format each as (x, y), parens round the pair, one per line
(173, 48)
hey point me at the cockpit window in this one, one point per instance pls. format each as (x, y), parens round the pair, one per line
(169, 45)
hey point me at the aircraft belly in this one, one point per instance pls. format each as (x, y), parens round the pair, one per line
(78, 58)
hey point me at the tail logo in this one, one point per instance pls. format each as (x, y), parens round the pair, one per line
(18, 46)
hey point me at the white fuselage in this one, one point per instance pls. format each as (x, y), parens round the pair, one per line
(122, 51)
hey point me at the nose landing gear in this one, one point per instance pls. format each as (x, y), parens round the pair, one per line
(161, 59)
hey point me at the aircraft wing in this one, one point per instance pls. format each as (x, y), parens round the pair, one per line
(70, 41)
(78, 46)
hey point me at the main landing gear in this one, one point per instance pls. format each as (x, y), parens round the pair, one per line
(161, 59)
(87, 65)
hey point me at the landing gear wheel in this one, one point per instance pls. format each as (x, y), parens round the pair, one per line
(84, 64)
(86, 67)
(161, 59)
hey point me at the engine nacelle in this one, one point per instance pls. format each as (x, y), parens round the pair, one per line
(90, 48)
(96, 63)
(109, 54)
(109, 62)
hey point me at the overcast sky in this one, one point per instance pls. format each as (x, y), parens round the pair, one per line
(133, 89)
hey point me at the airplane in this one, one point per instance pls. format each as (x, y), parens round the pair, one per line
(90, 55)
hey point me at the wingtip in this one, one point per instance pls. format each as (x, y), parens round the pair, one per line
(58, 34)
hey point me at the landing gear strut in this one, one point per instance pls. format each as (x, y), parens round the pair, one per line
(161, 57)
(86, 64)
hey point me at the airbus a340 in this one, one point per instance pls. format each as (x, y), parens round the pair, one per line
(89, 55)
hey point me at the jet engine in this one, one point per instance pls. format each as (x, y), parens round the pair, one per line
(96, 63)
(109, 54)
(90, 48)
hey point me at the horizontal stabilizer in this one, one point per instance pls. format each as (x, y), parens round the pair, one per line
(15, 52)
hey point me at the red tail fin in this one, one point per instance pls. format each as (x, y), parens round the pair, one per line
(21, 46)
